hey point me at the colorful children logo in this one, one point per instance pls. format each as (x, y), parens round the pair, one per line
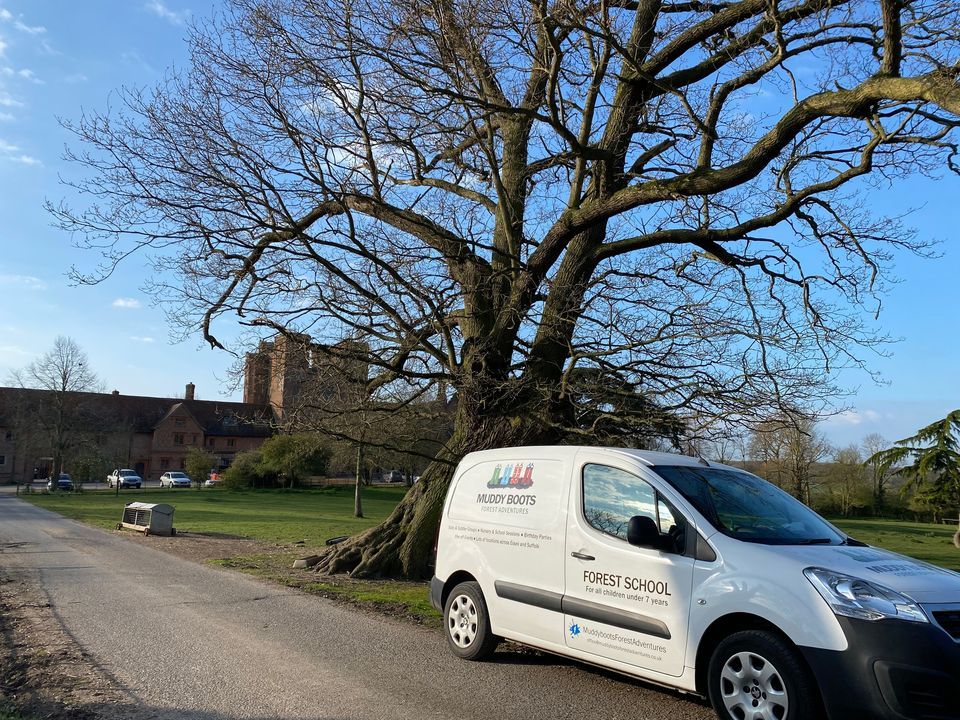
(511, 477)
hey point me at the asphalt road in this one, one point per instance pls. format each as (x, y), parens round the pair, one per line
(186, 641)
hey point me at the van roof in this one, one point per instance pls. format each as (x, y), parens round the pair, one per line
(567, 452)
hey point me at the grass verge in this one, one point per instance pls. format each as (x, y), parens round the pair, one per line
(391, 597)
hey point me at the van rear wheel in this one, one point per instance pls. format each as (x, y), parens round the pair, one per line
(756, 675)
(468, 624)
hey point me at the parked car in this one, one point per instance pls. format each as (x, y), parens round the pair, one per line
(394, 476)
(175, 478)
(124, 478)
(695, 575)
(62, 482)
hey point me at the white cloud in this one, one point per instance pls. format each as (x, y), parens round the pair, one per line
(5, 15)
(6, 117)
(28, 74)
(75, 78)
(126, 303)
(158, 8)
(3, 47)
(137, 338)
(27, 281)
(6, 147)
(26, 160)
(7, 101)
(29, 29)
(858, 417)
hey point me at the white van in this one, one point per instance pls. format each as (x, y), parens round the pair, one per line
(693, 575)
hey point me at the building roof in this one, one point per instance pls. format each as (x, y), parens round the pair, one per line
(141, 414)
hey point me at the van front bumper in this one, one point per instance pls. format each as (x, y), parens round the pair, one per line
(891, 669)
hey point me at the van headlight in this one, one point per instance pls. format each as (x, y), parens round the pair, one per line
(856, 598)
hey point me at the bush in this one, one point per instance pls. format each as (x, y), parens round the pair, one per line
(246, 471)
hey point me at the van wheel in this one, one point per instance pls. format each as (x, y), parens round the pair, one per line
(467, 623)
(756, 675)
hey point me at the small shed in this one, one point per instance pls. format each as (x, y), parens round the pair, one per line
(148, 518)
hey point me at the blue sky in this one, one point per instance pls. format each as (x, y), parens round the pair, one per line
(59, 57)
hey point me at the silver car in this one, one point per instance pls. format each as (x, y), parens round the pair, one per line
(175, 479)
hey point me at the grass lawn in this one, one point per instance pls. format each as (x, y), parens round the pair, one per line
(281, 516)
(932, 543)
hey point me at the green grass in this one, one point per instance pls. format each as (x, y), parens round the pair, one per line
(407, 598)
(281, 516)
(924, 541)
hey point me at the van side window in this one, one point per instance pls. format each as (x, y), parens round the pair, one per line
(611, 497)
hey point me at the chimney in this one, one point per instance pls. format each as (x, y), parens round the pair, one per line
(188, 395)
(115, 392)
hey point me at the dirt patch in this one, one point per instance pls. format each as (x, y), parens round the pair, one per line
(206, 547)
(43, 672)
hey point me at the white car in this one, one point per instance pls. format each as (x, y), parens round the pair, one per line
(174, 479)
(124, 478)
(694, 575)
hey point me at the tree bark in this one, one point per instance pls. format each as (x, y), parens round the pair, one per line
(357, 505)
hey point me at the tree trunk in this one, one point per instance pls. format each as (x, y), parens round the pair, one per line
(357, 506)
(402, 545)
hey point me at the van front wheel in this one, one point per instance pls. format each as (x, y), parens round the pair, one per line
(467, 623)
(757, 675)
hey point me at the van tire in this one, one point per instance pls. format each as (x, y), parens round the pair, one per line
(467, 623)
(755, 673)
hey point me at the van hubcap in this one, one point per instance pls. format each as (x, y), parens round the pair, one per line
(462, 621)
(752, 689)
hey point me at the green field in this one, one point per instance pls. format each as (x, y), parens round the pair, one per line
(284, 516)
(281, 516)
(924, 541)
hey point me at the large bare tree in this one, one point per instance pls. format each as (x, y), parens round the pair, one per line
(498, 194)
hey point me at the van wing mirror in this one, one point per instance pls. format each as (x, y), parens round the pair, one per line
(642, 531)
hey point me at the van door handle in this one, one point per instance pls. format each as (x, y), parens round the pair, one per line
(582, 556)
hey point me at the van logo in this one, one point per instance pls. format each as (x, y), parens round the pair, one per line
(511, 477)
(574, 630)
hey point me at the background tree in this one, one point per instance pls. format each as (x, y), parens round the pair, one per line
(788, 448)
(847, 482)
(292, 457)
(929, 463)
(199, 463)
(497, 194)
(64, 373)
(879, 474)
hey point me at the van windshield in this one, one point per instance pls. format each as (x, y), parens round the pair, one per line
(748, 508)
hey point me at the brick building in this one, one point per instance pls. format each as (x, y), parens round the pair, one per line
(149, 434)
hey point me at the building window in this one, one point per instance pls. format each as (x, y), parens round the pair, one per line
(164, 463)
(231, 442)
(8, 436)
(183, 463)
(180, 422)
(211, 441)
(194, 441)
(3, 460)
(178, 438)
